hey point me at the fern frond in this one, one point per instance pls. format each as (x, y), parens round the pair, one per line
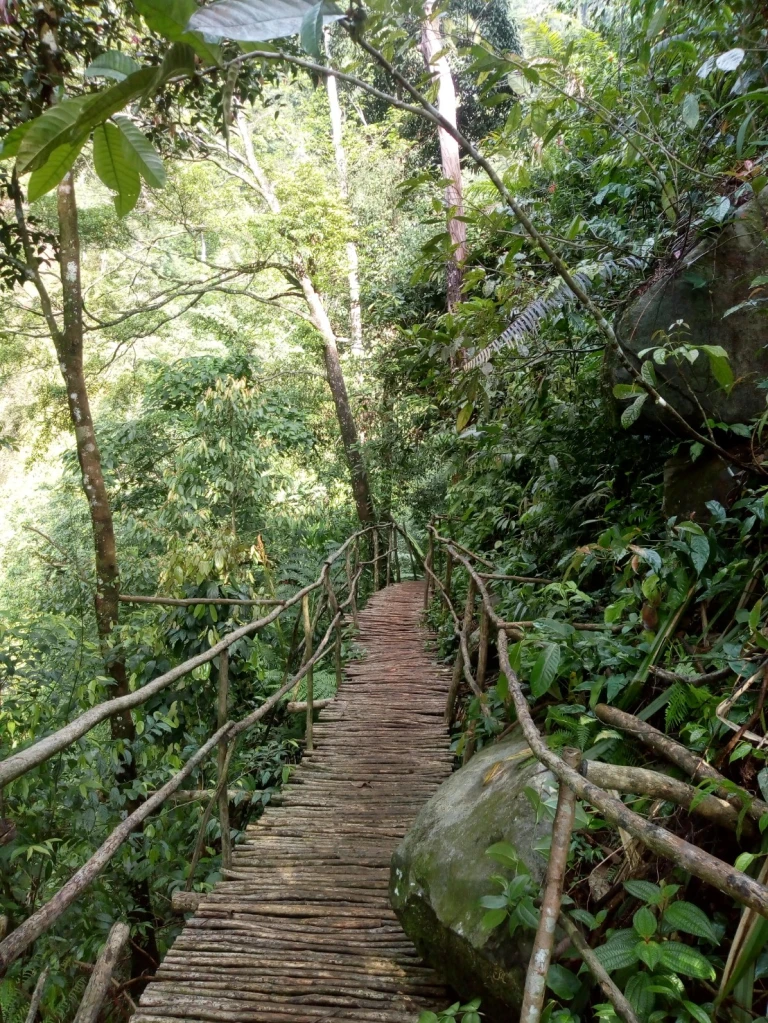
(555, 298)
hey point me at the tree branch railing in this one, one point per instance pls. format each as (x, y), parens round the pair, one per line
(335, 597)
(664, 843)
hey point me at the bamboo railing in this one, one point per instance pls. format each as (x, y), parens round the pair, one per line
(664, 843)
(337, 591)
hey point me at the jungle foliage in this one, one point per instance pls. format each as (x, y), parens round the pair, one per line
(625, 131)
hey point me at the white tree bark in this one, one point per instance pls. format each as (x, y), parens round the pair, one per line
(437, 63)
(353, 263)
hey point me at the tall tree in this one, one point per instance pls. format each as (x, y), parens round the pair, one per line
(318, 316)
(353, 275)
(436, 60)
(67, 334)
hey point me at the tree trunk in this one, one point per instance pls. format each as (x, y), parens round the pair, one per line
(431, 45)
(355, 316)
(361, 490)
(347, 426)
(69, 348)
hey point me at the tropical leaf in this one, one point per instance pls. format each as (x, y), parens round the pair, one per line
(545, 670)
(179, 60)
(49, 131)
(53, 170)
(113, 64)
(684, 916)
(686, 960)
(311, 32)
(257, 20)
(114, 168)
(140, 152)
(9, 146)
(632, 412)
(690, 110)
(170, 18)
(648, 952)
(730, 60)
(464, 416)
(644, 923)
(645, 890)
(619, 951)
(104, 104)
(640, 994)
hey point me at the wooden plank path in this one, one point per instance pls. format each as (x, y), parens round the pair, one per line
(302, 930)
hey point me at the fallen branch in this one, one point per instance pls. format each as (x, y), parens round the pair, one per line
(543, 943)
(720, 875)
(642, 782)
(694, 766)
(37, 996)
(695, 680)
(622, 1007)
(101, 978)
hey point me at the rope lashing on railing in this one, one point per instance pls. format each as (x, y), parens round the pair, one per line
(12, 767)
(728, 879)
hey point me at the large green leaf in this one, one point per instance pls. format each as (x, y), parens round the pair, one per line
(257, 20)
(684, 916)
(686, 960)
(170, 18)
(108, 102)
(53, 170)
(140, 152)
(112, 64)
(179, 60)
(619, 951)
(9, 146)
(49, 131)
(114, 168)
(311, 31)
(545, 670)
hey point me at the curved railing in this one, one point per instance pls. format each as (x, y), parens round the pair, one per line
(335, 591)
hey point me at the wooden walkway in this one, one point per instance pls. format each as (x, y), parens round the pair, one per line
(302, 930)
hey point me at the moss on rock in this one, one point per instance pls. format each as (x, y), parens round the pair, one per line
(440, 872)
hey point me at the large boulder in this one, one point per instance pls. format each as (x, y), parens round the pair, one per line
(440, 872)
(713, 277)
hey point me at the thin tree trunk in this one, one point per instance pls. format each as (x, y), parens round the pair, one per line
(320, 320)
(69, 348)
(347, 426)
(431, 45)
(355, 316)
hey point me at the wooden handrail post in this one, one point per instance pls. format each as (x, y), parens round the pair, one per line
(448, 573)
(333, 603)
(482, 650)
(429, 563)
(389, 555)
(458, 667)
(351, 589)
(310, 675)
(221, 762)
(414, 573)
(376, 559)
(101, 978)
(396, 547)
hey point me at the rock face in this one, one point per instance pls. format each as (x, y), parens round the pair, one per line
(712, 278)
(440, 872)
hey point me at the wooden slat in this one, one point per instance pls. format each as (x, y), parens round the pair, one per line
(302, 930)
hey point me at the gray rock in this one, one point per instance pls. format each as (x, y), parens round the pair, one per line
(712, 278)
(440, 872)
(688, 486)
